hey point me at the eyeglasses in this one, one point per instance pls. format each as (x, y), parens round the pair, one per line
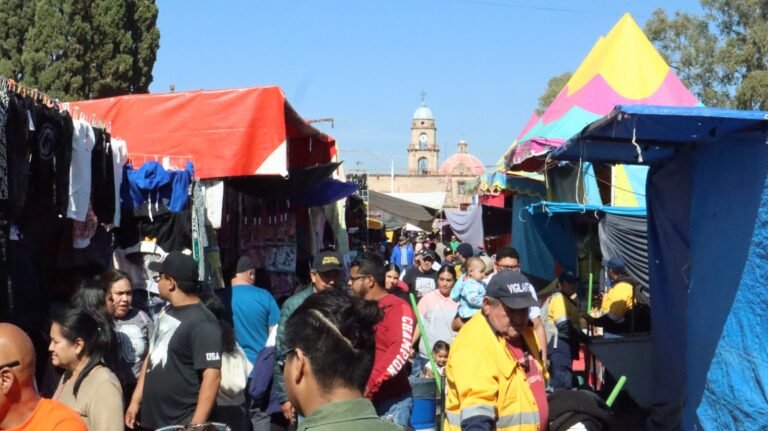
(10, 364)
(283, 357)
(509, 267)
(159, 277)
(358, 277)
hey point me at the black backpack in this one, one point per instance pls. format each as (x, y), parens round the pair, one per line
(567, 408)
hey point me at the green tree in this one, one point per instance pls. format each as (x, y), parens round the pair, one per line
(15, 18)
(722, 55)
(80, 49)
(554, 85)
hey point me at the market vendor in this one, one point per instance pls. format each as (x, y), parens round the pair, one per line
(619, 299)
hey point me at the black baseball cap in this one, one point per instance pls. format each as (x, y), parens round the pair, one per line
(465, 250)
(428, 253)
(513, 289)
(327, 261)
(177, 265)
(244, 264)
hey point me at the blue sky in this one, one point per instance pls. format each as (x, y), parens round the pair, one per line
(482, 63)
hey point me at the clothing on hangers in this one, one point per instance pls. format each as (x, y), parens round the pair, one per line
(83, 142)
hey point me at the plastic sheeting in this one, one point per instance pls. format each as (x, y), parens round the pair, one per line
(328, 191)
(419, 215)
(626, 237)
(467, 225)
(541, 239)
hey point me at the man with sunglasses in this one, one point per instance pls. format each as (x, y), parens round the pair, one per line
(21, 408)
(388, 385)
(326, 273)
(180, 376)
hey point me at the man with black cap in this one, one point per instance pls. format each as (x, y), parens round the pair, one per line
(495, 378)
(326, 273)
(562, 314)
(618, 300)
(422, 278)
(180, 377)
(254, 310)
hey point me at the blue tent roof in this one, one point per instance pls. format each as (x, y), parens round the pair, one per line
(570, 207)
(658, 132)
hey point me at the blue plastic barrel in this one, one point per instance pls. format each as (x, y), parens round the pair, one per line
(424, 404)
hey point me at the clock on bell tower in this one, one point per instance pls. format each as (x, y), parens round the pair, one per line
(423, 150)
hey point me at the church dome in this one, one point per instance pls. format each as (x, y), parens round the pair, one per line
(462, 163)
(423, 113)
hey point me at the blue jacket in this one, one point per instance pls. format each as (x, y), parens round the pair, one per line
(396, 254)
(260, 382)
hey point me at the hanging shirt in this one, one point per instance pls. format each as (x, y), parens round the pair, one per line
(119, 157)
(102, 178)
(83, 141)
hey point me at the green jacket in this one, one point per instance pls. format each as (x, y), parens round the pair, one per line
(289, 306)
(352, 415)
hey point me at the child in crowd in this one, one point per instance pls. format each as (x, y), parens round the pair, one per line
(470, 290)
(440, 353)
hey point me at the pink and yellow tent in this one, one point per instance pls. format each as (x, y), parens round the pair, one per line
(623, 67)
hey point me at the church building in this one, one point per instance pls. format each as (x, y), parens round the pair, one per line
(425, 174)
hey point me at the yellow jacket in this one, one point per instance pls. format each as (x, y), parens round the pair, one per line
(485, 380)
(618, 300)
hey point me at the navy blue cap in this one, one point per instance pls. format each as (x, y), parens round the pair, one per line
(616, 262)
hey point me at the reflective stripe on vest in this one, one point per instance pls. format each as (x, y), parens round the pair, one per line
(515, 419)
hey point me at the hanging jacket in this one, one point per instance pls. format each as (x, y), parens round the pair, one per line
(487, 388)
(152, 184)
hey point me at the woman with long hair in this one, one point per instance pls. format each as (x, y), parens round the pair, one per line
(330, 350)
(78, 345)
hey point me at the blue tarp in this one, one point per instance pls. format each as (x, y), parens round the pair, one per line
(707, 195)
(541, 240)
(568, 207)
(326, 192)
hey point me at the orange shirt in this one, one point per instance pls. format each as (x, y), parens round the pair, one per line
(50, 415)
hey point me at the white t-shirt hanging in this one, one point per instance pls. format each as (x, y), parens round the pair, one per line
(83, 142)
(119, 157)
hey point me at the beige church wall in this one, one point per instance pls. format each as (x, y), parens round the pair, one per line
(422, 184)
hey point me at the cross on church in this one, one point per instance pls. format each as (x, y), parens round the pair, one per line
(423, 95)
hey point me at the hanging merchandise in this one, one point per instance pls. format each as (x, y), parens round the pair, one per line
(83, 141)
(199, 237)
(151, 187)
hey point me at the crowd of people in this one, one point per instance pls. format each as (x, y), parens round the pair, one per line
(339, 354)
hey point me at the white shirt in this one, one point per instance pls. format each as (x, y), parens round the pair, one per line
(83, 142)
(119, 157)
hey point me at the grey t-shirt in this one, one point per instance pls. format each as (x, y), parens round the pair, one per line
(133, 333)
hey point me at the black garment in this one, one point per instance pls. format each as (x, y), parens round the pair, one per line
(18, 152)
(171, 230)
(102, 178)
(51, 146)
(420, 283)
(186, 341)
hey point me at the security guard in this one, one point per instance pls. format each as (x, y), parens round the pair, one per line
(495, 378)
